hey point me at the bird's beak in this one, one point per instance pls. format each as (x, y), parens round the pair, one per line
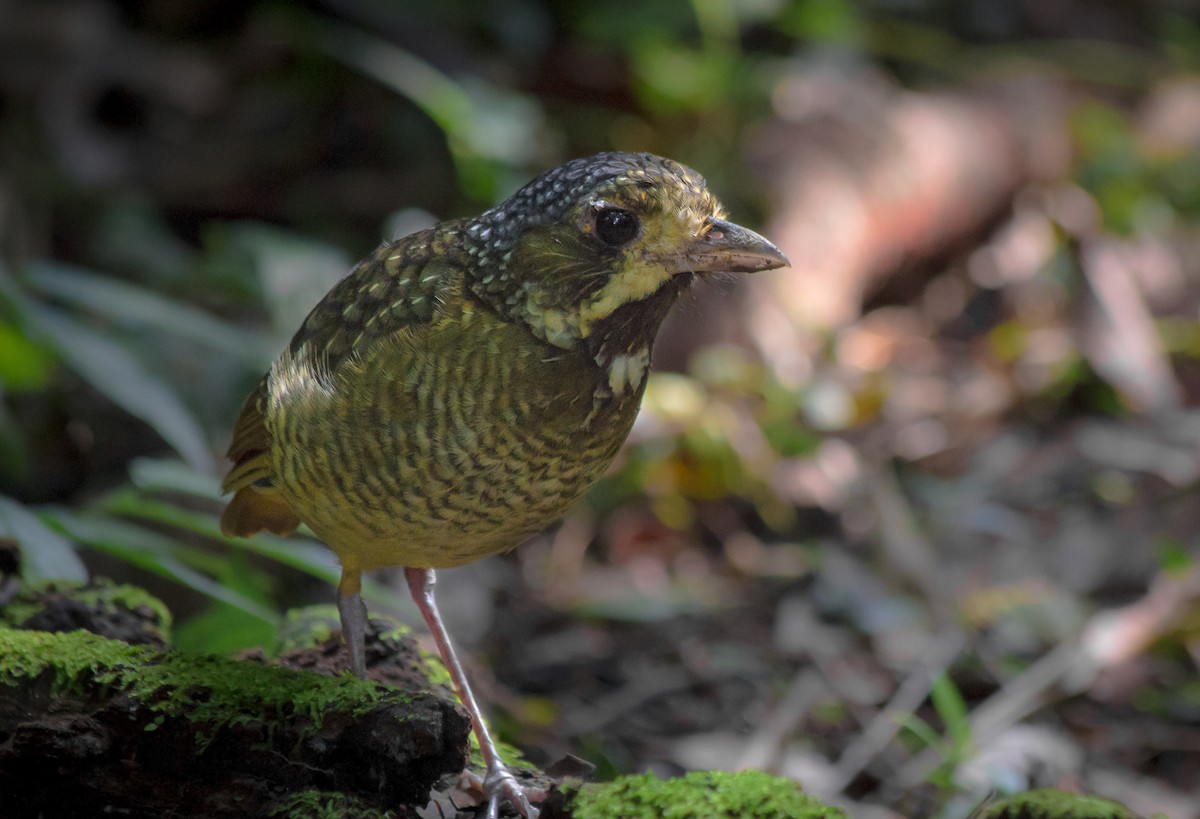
(729, 248)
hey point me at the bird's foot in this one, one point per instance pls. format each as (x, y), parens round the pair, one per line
(500, 786)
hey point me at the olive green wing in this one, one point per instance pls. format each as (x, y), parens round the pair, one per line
(398, 286)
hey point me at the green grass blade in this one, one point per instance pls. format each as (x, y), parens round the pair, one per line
(951, 707)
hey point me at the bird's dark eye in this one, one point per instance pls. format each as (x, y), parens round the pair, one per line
(617, 226)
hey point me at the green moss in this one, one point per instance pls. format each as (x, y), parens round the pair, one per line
(1049, 803)
(398, 630)
(211, 690)
(312, 625)
(103, 593)
(510, 754)
(307, 626)
(435, 671)
(431, 665)
(700, 795)
(19, 610)
(314, 804)
(100, 593)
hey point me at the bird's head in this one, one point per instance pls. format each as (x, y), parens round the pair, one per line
(595, 251)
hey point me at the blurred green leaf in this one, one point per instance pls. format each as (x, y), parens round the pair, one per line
(133, 235)
(1008, 340)
(24, 364)
(14, 452)
(1113, 168)
(156, 553)
(618, 23)
(635, 607)
(301, 554)
(1180, 35)
(114, 371)
(45, 554)
(790, 437)
(1175, 558)
(674, 77)
(1103, 132)
(295, 272)
(160, 474)
(305, 555)
(486, 126)
(136, 307)
(951, 707)
(718, 24)
(921, 730)
(831, 21)
(224, 629)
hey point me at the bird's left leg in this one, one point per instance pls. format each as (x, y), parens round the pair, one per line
(354, 619)
(498, 782)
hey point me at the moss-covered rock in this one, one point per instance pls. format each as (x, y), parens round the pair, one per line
(698, 795)
(1049, 803)
(151, 733)
(310, 637)
(308, 626)
(120, 612)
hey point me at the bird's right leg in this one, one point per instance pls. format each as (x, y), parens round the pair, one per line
(498, 783)
(354, 619)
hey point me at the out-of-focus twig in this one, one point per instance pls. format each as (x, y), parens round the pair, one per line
(1118, 635)
(764, 749)
(907, 698)
(1119, 337)
(904, 547)
(1111, 637)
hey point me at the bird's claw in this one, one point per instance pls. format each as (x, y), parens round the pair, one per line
(499, 786)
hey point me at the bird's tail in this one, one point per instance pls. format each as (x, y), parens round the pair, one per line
(256, 504)
(254, 509)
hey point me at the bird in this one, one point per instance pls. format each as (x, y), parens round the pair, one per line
(462, 386)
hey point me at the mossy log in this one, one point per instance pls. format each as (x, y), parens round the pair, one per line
(89, 725)
(698, 795)
(1049, 803)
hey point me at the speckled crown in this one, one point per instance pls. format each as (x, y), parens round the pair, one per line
(547, 197)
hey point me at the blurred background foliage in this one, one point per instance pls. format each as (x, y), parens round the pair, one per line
(989, 339)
